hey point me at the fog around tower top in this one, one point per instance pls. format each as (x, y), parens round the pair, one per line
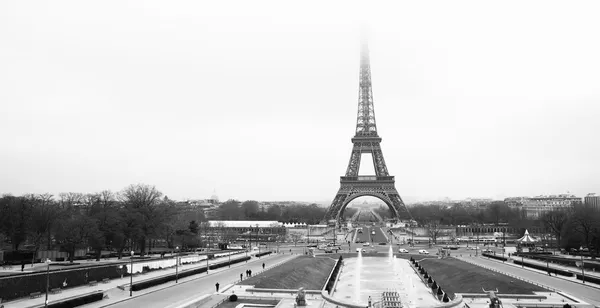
(257, 99)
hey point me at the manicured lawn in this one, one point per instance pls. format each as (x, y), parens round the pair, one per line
(455, 276)
(228, 304)
(310, 273)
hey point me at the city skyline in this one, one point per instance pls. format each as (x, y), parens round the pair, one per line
(258, 101)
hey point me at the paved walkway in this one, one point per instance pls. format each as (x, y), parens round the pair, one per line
(37, 267)
(195, 287)
(113, 284)
(558, 266)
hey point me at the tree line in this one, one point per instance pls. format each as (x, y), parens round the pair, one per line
(139, 217)
(573, 227)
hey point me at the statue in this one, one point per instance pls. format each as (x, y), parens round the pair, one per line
(494, 300)
(300, 297)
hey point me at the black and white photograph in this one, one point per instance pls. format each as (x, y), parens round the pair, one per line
(284, 154)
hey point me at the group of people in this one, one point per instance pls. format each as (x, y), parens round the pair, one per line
(248, 275)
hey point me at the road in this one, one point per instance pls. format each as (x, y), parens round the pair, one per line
(589, 294)
(368, 236)
(192, 288)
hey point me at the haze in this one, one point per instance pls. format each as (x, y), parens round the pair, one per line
(257, 99)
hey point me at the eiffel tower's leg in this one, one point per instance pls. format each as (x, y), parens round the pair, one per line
(354, 163)
(379, 162)
(335, 207)
(399, 207)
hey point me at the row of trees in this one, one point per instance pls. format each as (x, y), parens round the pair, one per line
(131, 217)
(251, 210)
(574, 227)
(138, 217)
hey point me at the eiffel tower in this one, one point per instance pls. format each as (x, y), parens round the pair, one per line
(366, 140)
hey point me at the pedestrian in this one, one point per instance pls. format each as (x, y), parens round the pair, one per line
(369, 302)
(263, 266)
(241, 277)
(250, 271)
(217, 286)
(247, 273)
(22, 266)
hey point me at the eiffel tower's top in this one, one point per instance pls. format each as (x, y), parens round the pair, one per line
(365, 121)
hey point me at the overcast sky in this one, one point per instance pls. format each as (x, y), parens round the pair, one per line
(257, 99)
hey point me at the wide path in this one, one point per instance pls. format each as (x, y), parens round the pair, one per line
(589, 294)
(203, 284)
(378, 237)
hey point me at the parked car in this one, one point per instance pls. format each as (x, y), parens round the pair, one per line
(366, 244)
(423, 252)
(402, 250)
(328, 250)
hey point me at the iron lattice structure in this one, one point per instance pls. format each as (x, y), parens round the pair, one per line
(366, 140)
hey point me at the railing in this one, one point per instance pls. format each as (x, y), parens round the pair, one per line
(367, 178)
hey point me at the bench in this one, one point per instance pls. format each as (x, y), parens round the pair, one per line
(55, 291)
(92, 283)
(35, 294)
(105, 280)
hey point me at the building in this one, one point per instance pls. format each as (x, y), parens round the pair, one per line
(592, 200)
(535, 207)
(246, 230)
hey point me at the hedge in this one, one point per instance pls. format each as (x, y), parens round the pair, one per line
(501, 258)
(545, 268)
(263, 253)
(334, 275)
(78, 301)
(12, 287)
(588, 278)
(171, 277)
(225, 263)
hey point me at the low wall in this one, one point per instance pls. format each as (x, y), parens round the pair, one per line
(338, 302)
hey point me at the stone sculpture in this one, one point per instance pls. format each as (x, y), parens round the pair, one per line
(301, 297)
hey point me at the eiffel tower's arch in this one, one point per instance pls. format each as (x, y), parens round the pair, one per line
(351, 197)
(366, 140)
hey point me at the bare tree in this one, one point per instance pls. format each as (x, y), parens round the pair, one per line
(434, 230)
(584, 222)
(556, 221)
(70, 199)
(145, 200)
(44, 214)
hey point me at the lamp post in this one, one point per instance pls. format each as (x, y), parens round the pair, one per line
(176, 263)
(131, 276)
(522, 262)
(257, 241)
(412, 234)
(47, 281)
(477, 244)
(582, 267)
(503, 243)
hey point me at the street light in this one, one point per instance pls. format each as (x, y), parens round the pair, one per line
(131, 276)
(582, 267)
(257, 241)
(47, 281)
(176, 263)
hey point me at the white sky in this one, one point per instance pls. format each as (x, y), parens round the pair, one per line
(257, 99)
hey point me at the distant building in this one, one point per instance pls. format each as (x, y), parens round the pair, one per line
(535, 207)
(592, 200)
(246, 230)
